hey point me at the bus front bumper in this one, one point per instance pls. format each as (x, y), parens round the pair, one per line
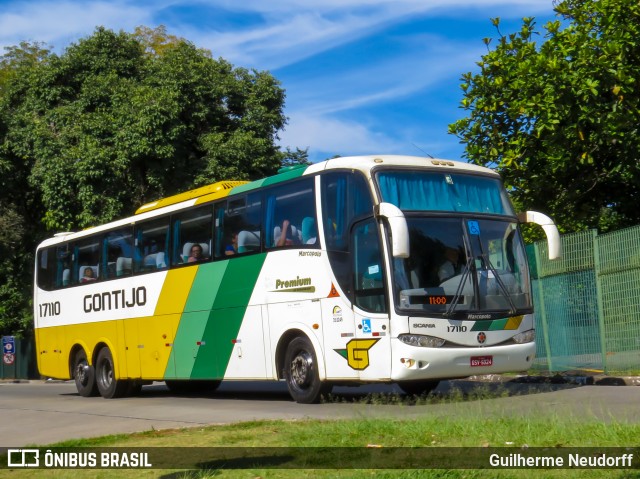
(411, 363)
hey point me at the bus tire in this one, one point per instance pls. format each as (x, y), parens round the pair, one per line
(108, 386)
(84, 375)
(301, 372)
(418, 388)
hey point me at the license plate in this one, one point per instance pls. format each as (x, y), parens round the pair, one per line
(481, 361)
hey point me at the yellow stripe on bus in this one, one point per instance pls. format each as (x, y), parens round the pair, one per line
(175, 291)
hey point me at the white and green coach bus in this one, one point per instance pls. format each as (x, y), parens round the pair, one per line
(387, 269)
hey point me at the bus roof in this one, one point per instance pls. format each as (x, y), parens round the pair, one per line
(225, 188)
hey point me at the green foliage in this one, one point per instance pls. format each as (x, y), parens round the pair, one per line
(113, 122)
(298, 157)
(557, 114)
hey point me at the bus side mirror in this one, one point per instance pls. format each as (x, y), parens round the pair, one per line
(549, 227)
(399, 229)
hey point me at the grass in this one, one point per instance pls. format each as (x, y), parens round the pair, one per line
(441, 432)
(433, 432)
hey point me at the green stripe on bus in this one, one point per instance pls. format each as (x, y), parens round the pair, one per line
(490, 325)
(188, 339)
(226, 315)
(248, 187)
(482, 325)
(289, 175)
(272, 180)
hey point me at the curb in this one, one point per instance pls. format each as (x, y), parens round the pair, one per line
(562, 378)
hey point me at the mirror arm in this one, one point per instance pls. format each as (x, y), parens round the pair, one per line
(398, 225)
(549, 227)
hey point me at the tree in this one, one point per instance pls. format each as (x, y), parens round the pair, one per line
(558, 118)
(293, 158)
(115, 121)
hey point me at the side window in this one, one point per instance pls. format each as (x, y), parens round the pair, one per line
(290, 215)
(192, 236)
(345, 197)
(48, 270)
(64, 265)
(360, 202)
(239, 225)
(86, 261)
(368, 268)
(151, 241)
(118, 260)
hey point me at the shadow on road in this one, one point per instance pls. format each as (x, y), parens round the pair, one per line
(447, 391)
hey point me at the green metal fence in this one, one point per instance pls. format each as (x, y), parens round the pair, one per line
(588, 302)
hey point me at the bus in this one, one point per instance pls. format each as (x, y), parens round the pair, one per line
(371, 269)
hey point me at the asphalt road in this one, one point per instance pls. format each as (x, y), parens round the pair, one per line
(41, 413)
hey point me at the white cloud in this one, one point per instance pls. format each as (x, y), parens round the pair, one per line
(328, 108)
(331, 136)
(292, 30)
(278, 32)
(60, 23)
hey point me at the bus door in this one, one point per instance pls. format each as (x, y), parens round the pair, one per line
(339, 332)
(370, 351)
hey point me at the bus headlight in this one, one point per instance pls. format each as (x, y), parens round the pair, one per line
(525, 337)
(420, 340)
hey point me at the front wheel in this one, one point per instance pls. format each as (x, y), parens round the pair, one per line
(108, 386)
(301, 372)
(84, 375)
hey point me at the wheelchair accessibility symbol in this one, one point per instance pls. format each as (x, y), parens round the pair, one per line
(366, 326)
(474, 228)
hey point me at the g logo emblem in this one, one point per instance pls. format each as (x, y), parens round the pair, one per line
(357, 353)
(482, 338)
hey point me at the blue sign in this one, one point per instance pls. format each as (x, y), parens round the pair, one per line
(8, 345)
(474, 227)
(366, 325)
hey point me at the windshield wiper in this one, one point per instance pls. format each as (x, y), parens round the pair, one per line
(465, 274)
(493, 270)
(456, 298)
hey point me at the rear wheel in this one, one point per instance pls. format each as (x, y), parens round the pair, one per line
(108, 386)
(84, 375)
(301, 372)
(418, 388)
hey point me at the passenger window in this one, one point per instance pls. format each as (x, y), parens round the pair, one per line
(192, 236)
(119, 258)
(239, 224)
(86, 261)
(368, 268)
(151, 246)
(49, 269)
(290, 216)
(345, 197)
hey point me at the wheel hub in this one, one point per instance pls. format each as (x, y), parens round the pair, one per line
(301, 368)
(82, 370)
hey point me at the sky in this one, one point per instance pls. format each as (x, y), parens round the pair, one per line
(361, 76)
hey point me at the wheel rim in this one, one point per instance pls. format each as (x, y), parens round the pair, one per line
(82, 372)
(301, 369)
(106, 374)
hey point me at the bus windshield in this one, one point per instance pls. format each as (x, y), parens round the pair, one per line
(461, 266)
(444, 191)
(462, 263)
